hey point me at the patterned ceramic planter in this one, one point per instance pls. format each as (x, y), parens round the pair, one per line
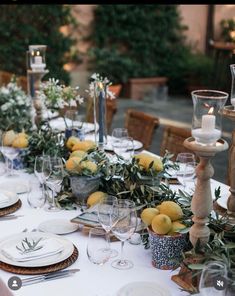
(83, 186)
(167, 249)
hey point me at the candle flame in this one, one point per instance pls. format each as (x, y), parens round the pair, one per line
(211, 110)
(38, 53)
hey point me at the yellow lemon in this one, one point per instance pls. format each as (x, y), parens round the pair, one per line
(145, 160)
(89, 165)
(148, 214)
(78, 153)
(84, 145)
(176, 226)
(20, 142)
(73, 164)
(161, 224)
(22, 134)
(71, 142)
(8, 138)
(171, 209)
(95, 197)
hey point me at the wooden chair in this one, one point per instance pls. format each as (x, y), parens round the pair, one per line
(141, 126)
(173, 138)
(5, 78)
(111, 109)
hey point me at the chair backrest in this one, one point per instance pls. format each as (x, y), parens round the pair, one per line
(141, 126)
(173, 138)
(5, 78)
(111, 109)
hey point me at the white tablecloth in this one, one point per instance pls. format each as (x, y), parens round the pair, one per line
(92, 280)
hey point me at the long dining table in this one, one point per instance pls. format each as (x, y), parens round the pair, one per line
(92, 279)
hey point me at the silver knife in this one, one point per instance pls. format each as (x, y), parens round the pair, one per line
(48, 276)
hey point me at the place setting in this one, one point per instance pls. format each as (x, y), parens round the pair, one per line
(9, 202)
(36, 253)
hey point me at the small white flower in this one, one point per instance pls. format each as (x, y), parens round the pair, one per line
(4, 90)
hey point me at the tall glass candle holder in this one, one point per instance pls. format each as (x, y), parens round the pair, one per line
(36, 69)
(37, 57)
(207, 123)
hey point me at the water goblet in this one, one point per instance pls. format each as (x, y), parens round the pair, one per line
(98, 249)
(124, 225)
(105, 213)
(213, 279)
(120, 132)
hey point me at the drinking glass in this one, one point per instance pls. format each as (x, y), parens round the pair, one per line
(105, 216)
(98, 249)
(53, 172)
(120, 133)
(129, 144)
(124, 225)
(36, 197)
(118, 144)
(182, 159)
(9, 153)
(213, 281)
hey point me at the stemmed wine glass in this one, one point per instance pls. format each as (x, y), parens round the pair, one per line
(124, 225)
(187, 164)
(38, 167)
(53, 173)
(105, 216)
(9, 153)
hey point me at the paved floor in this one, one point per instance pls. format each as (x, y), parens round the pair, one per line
(178, 111)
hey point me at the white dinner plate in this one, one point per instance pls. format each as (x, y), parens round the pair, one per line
(12, 198)
(137, 145)
(59, 124)
(58, 226)
(19, 187)
(16, 240)
(143, 289)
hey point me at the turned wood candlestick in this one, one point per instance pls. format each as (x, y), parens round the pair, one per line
(33, 81)
(202, 202)
(229, 112)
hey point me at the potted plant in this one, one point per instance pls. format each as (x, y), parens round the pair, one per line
(84, 167)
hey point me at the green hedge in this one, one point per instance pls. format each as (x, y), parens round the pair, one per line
(23, 25)
(139, 41)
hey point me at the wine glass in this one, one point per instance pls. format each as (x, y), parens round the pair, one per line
(53, 173)
(38, 167)
(105, 214)
(182, 159)
(213, 280)
(124, 225)
(9, 153)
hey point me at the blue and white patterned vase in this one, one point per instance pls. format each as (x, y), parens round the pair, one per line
(167, 249)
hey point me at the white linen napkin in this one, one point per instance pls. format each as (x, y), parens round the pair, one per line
(3, 198)
(50, 248)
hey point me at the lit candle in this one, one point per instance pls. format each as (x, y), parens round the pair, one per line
(208, 121)
(207, 134)
(38, 60)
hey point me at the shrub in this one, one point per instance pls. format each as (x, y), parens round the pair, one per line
(138, 41)
(23, 25)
